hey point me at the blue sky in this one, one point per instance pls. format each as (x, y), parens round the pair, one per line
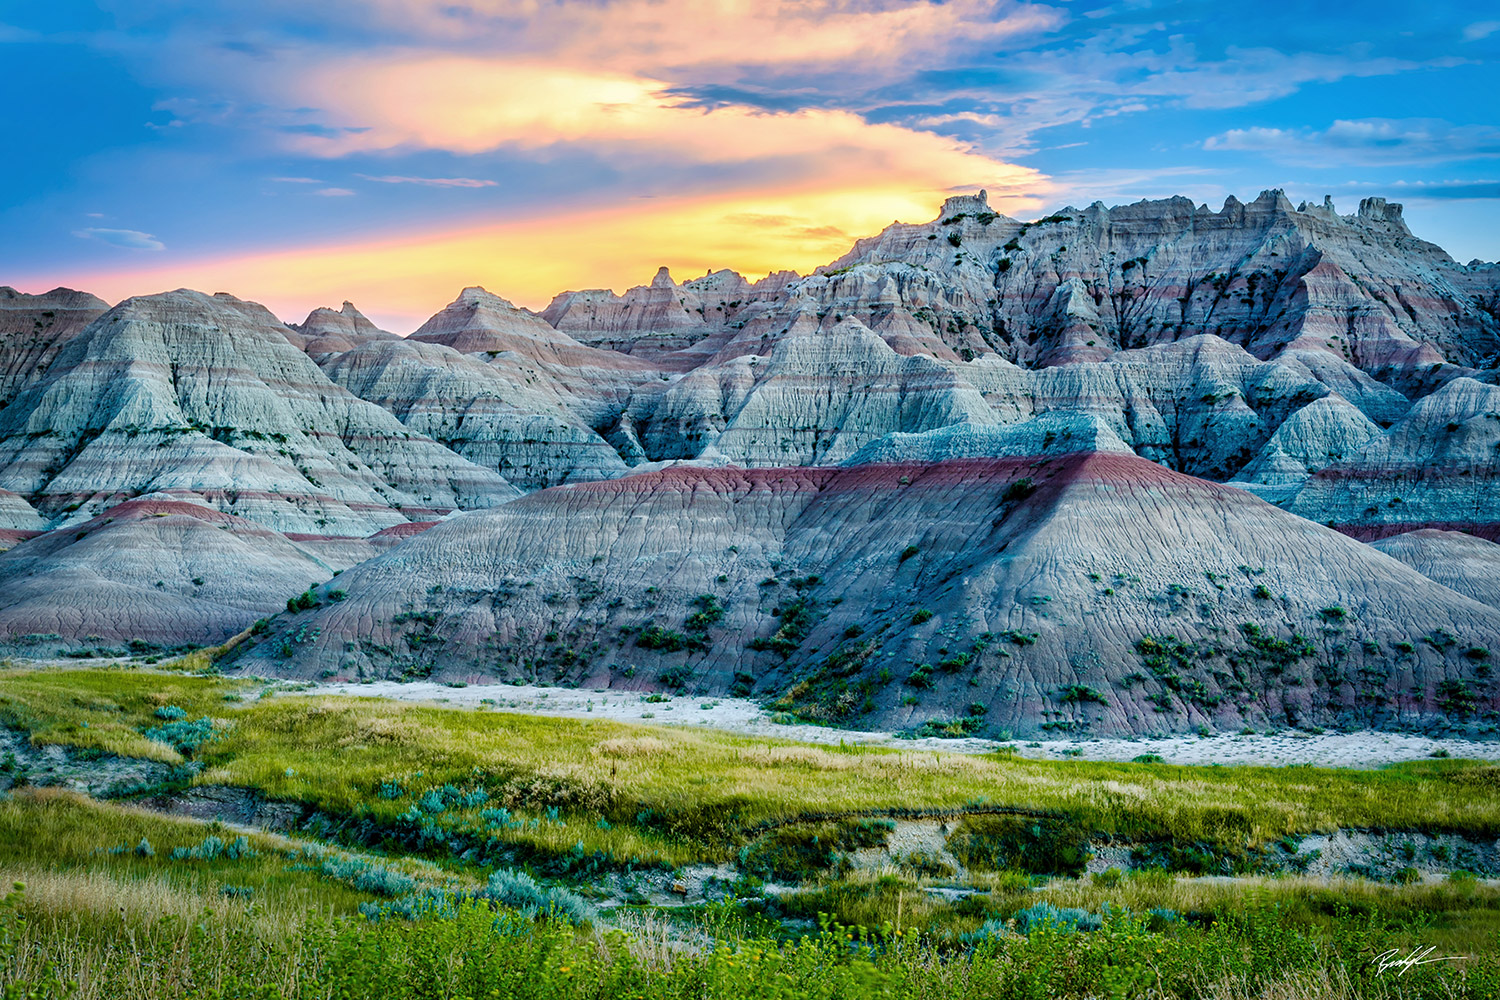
(397, 150)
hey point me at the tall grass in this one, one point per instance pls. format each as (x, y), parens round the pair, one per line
(481, 952)
(86, 857)
(120, 902)
(679, 795)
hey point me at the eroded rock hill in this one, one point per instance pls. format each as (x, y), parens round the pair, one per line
(151, 573)
(204, 395)
(33, 328)
(498, 386)
(766, 487)
(1087, 592)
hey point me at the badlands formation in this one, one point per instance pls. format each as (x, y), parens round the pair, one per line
(1151, 468)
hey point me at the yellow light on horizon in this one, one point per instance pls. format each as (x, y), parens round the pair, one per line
(402, 279)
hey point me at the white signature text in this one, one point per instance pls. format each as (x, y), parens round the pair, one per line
(1394, 959)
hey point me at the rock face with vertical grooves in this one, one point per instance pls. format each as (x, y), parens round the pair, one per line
(1458, 561)
(855, 439)
(1439, 466)
(1083, 593)
(329, 331)
(1082, 284)
(496, 384)
(33, 328)
(156, 571)
(204, 395)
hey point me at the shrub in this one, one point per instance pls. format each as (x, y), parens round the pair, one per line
(170, 713)
(1456, 697)
(212, 849)
(1020, 843)
(797, 620)
(363, 876)
(907, 553)
(183, 736)
(665, 640)
(1018, 490)
(802, 851)
(710, 611)
(955, 729)
(954, 664)
(522, 892)
(675, 677)
(920, 615)
(1080, 694)
(1061, 918)
(302, 602)
(1109, 878)
(499, 819)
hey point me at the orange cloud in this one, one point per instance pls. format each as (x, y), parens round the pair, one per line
(472, 105)
(532, 76)
(401, 280)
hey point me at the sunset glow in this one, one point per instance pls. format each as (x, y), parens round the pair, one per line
(407, 278)
(395, 151)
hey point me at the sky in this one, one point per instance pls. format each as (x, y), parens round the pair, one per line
(391, 152)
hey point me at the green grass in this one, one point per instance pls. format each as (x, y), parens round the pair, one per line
(73, 845)
(103, 916)
(480, 952)
(1458, 916)
(673, 796)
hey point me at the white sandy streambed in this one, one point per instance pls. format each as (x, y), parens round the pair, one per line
(740, 715)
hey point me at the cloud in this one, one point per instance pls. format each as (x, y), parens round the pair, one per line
(322, 131)
(127, 239)
(443, 182)
(1366, 140)
(296, 180)
(1480, 29)
(647, 86)
(10, 33)
(334, 192)
(467, 107)
(643, 36)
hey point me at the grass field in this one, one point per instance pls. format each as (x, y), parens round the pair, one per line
(430, 808)
(676, 795)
